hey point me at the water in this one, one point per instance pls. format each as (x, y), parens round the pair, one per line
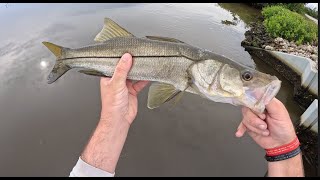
(44, 128)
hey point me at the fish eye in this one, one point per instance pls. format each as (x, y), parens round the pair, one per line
(247, 76)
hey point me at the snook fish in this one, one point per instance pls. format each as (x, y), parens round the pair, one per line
(176, 67)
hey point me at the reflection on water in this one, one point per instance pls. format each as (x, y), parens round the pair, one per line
(44, 128)
(43, 64)
(246, 13)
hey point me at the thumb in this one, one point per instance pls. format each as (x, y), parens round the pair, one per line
(122, 69)
(275, 108)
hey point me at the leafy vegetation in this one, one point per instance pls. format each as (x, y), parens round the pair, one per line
(296, 7)
(281, 22)
(312, 12)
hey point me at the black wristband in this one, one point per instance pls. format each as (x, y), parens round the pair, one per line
(283, 156)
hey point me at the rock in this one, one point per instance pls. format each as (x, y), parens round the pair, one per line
(278, 40)
(284, 50)
(246, 43)
(263, 46)
(290, 49)
(269, 48)
(285, 46)
(293, 45)
(255, 44)
(315, 50)
(303, 47)
(314, 57)
(286, 41)
(300, 51)
(309, 48)
(282, 43)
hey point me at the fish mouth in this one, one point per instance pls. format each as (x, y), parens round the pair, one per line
(270, 92)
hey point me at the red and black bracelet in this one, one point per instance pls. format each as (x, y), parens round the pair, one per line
(283, 152)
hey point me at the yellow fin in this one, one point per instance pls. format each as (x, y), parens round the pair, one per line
(111, 30)
(55, 49)
(160, 93)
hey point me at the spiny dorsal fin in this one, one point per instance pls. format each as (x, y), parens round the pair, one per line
(111, 30)
(159, 38)
(55, 49)
(160, 93)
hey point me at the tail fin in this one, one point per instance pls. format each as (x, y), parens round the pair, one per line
(55, 49)
(59, 68)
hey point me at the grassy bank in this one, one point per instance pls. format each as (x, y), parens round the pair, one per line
(281, 22)
(295, 7)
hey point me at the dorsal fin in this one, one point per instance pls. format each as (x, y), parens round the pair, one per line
(159, 38)
(111, 30)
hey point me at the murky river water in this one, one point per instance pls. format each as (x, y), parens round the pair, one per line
(44, 128)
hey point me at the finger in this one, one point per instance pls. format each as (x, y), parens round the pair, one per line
(254, 120)
(104, 83)
(249, 127)
(122, 69)
(252, 134)
(262, 116)
(138, 86)
(275, 106)
(241, 130)
(104, 80)
(129, 83)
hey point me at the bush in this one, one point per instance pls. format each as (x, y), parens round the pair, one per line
(312, 12)
(296, 7)
(281, 22)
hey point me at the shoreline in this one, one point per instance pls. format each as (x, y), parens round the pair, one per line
(257, 36)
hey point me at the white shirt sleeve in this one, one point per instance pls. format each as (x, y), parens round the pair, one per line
(83, 169)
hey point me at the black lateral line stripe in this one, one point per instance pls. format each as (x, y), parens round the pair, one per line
(100, 57)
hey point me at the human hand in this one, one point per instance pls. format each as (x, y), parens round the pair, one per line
(119, 108)
(119, 95)
(270, 129)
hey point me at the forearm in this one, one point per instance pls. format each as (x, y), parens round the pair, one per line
(105, 145)
(292, 167)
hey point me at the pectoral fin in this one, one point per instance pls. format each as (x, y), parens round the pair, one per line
(159, 38)
(160, 93)
(111, 30)
(92, 73)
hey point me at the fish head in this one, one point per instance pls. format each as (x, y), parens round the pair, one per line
(234, 84)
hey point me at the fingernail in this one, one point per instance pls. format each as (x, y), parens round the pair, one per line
(238, 134)
(126, 57)
(262, 127)
(265, 133)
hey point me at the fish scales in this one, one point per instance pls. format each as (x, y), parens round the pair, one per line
(171, 70)
(116, 47)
